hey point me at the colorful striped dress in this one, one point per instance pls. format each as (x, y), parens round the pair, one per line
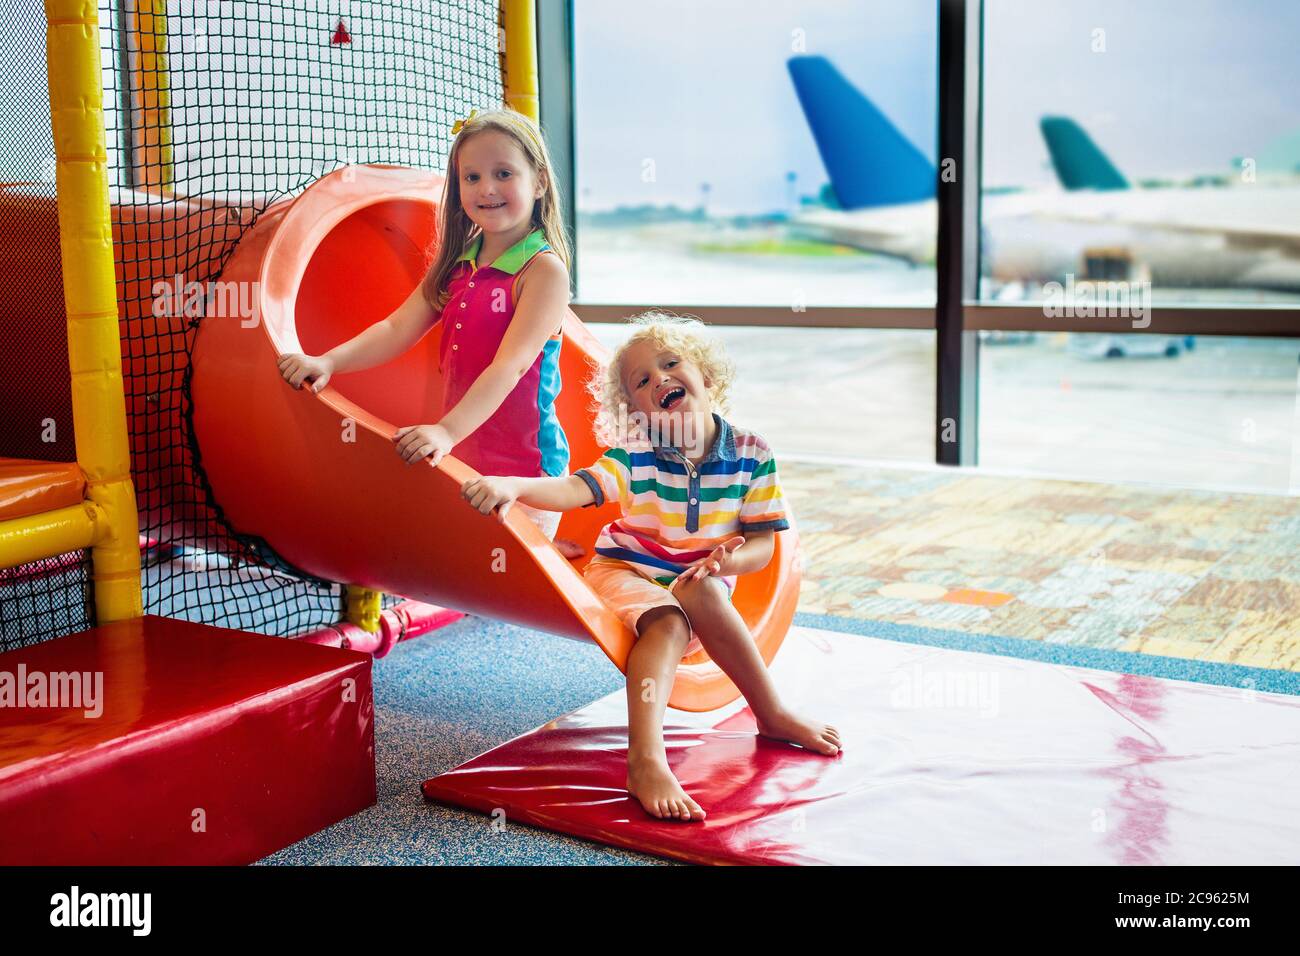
(674, 511)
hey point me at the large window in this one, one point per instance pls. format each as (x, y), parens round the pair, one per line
(1139, 157)
(1153, 143)
(741, 153)
(1137, 206)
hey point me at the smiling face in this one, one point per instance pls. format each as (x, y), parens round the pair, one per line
(498, 187)
(670, 391)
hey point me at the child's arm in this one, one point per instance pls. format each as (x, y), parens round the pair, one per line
(380, 343)
(541, 304)
(549, 494)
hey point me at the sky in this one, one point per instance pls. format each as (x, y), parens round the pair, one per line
(701, 88)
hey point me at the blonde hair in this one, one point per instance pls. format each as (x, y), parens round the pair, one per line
(456, 230)
(684, 334)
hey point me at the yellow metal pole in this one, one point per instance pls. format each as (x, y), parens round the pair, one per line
(519, 56)
(90, 294)
(50, 533)
(363, 607)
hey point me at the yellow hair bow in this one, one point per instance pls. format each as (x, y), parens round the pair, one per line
(459, 125)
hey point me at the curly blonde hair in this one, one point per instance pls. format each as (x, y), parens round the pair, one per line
(684, 334)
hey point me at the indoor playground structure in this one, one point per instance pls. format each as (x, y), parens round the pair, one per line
(206, 504)
(200, 564)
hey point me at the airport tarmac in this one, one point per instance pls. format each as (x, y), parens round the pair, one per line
(1222, 416)
(710, 263)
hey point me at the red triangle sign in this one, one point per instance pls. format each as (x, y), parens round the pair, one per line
(341, 35)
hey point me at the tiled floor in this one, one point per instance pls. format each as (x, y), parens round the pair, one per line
(1196, 574)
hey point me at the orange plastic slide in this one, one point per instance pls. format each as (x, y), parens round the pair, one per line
(317, 476)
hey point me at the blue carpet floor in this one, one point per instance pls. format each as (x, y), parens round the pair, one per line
(440, 700)
(449, 696)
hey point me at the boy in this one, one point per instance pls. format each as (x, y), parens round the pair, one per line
(701, 504)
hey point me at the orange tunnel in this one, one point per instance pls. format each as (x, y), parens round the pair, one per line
(317, 476)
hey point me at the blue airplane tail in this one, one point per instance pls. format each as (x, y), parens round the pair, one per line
(1079, 162)
(869, 161)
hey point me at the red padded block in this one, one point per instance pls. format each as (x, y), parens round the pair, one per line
(270, 738)
(950, 757)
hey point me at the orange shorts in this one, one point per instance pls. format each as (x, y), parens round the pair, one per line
(630, 594)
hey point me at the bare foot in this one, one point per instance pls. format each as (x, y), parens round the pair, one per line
(809, 734)
(570, 549)
(653, 784)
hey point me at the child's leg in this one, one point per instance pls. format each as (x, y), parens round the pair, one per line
(724, 635)
(548, 522)
(651, 666)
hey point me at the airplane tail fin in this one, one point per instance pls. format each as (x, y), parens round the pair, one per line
(1079, 162)
(869, 161)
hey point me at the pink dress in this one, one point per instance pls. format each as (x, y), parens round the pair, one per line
(523, 437)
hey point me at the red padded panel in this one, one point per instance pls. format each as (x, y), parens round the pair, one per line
(242, 727)
(950, 757)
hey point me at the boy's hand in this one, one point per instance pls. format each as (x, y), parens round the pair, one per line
(715, 563)
(299, 369)
(415, 442)
(490, 492)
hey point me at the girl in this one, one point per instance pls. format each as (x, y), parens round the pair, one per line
(501, 284)
(701, 504)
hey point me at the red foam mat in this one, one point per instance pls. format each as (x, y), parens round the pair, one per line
(951, 757)
(203, 746)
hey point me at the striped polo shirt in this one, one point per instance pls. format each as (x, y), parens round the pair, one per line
(674, 511)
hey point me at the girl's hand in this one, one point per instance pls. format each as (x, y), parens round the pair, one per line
(298, 369)
(490, 492)
(715, 563)
(415, 442)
